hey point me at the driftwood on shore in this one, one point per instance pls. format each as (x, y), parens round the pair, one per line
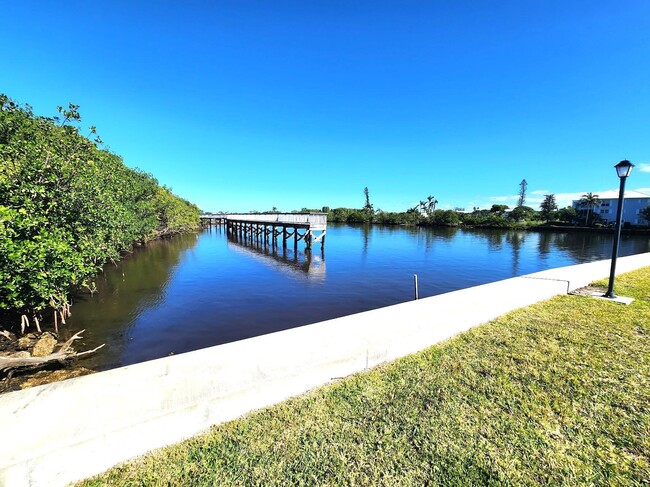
(10, 363)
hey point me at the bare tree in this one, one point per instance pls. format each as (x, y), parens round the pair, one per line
(368, 208)
(522, 192)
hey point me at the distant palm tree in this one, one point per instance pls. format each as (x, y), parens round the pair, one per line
(431, 202)
(429, 205)
(591, 201)
(548, 207)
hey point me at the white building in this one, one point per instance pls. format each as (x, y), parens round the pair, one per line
(632, 206)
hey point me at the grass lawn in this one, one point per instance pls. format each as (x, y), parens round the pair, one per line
(555, 394)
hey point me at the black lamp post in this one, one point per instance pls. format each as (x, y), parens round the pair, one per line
(623, 169)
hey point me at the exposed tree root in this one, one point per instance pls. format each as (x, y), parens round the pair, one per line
(10, 364)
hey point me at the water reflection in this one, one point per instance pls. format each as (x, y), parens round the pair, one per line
(193, 291)
(429, 239)
(365, 234)
(516, 240)
(495, 240)
(310, 265)
(125, 291)
(586, 246)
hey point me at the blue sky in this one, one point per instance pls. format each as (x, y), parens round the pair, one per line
(245, 105)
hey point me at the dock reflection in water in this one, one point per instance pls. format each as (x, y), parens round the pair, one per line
(310, 265)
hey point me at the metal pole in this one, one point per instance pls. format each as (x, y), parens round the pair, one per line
(617, 237)
(415, 281)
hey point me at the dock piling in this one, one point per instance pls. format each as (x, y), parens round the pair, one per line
(415, 282)
(265, 228)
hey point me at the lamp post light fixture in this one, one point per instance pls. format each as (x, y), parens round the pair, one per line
(623, 170)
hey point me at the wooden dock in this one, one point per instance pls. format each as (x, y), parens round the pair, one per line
(268, 228)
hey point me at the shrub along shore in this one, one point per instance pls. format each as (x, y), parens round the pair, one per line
(496, 218)
(67, 207)
(557, 393)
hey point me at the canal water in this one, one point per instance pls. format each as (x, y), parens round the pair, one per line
(198, 290)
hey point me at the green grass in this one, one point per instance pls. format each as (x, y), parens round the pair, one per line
(553, 394)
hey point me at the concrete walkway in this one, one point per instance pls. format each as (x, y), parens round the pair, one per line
(66, 431)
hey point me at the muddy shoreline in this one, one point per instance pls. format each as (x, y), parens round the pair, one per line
(36, 346)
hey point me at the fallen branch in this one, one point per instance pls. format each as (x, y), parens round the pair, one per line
(65, 354)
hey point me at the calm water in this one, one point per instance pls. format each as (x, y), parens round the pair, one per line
(195, 291)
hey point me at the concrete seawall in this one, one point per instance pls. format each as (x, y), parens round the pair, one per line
(66, 431)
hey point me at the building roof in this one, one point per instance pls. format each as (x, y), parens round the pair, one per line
(613, 195)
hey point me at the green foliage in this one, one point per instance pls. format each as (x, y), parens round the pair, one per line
(590, 201)
(496, 221)
(420, 214)
(484, 218)
(173, 214)
(521, 213)
(568, 214)
(397, 218)
(444, 218)
(358, 217)
(499, 209)
(425, 213)
(67, 206)
(548, 207)
(645, 214)
(349, 215)
(352, 215)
